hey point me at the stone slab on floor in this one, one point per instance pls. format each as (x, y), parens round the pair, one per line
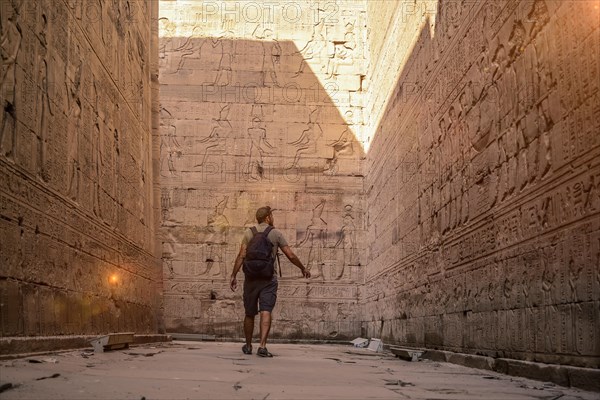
(216, 370)
(565, 375)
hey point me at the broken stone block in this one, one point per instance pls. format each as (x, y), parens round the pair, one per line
(406, 354)
(376, 345)
(360, 342)
(112, 341)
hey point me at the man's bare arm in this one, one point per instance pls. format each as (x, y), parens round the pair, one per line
(237, 265)
(295, 260)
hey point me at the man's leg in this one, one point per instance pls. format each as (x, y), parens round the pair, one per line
(265, 327)
(250, 310)
(249, 329)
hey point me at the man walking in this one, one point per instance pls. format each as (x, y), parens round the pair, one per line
(260, 285)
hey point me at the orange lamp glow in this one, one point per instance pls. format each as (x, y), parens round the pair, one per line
(114, 279)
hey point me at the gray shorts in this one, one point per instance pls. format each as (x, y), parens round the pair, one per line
(259, 295)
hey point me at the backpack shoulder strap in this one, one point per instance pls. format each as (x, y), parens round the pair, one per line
(269, 229)
(254, 231)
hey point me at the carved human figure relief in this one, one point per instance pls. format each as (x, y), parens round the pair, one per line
(166, 32)
(213, 254)
(546, 67)
(259, 146)
(271, 59)
(44, 104)
(504, 189)
(347, 240)
(217, 226)
(515, 47)
(170, 149)
(343, 146)
(548, 274)
(528, 142)
(308, 139)
(314, 47)
(485, 99)
(455, 137)
(445, 149)
(10, 44)
(221, 129)
(545, 125)
(343, 53)
(504, 76)
(191, 47)
(598, 262)
(74, 124)
(169, 243)
(539, 15)
(216, 221)
(314, 238)
(137, 60)
(575, 269)
(97, 158)
(271, 63)
(227, 45)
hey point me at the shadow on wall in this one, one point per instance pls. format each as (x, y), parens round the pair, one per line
(257, 106)
(245, 123)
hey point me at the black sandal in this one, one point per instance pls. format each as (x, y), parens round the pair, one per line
(263, 352)
(247, 349)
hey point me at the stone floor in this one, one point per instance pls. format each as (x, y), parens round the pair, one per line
(209, 370)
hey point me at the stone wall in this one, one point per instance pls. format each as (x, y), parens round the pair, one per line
(434, 163)
(483, 174)
(261, 104)
(77, 244)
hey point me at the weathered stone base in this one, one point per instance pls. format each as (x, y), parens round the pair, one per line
(564, 375)
(16, 347)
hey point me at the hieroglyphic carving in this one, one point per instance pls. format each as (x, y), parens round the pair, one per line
(347, 240)
(259, 147)
(10, 44)
(217, 223)
(315, 239)
(315, 46)
(255, 60)
(166, 31)
(226, 44)
(170, 149)
(343, 146)
(343, 53)
(64, 95)
(73, 82)
(308, 140)
(597, 273)
(210, 262)
(43, 100)
(168, 251)
(97, 157)
(134, 84)
(221, 129)
(271, 60)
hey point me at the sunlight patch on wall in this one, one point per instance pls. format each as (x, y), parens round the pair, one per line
(404, 20)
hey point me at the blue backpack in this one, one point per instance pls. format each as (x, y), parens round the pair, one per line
(259, 262)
